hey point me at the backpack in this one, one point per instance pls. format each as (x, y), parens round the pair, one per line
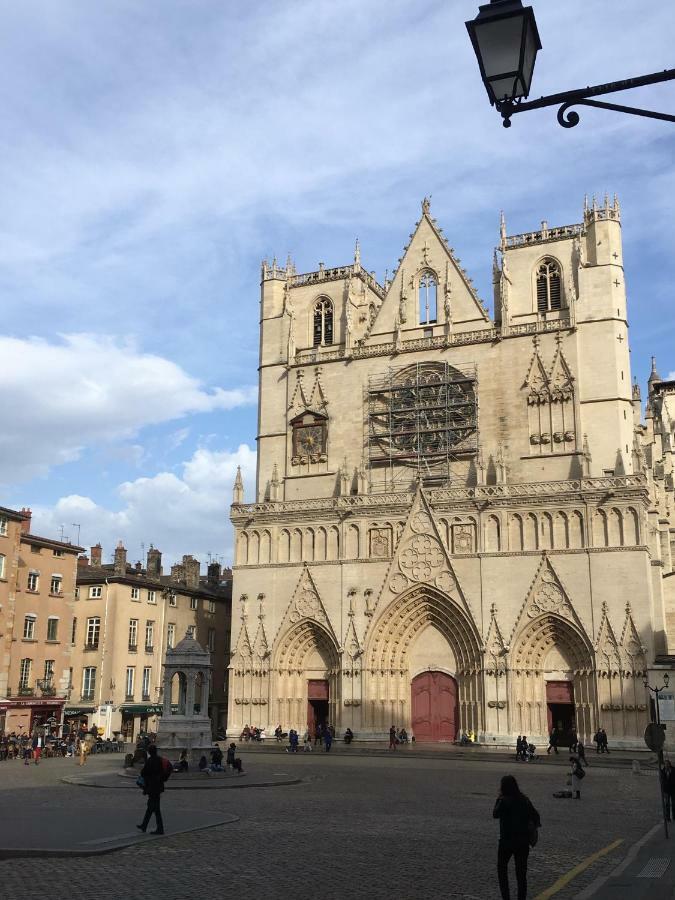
(167, 768)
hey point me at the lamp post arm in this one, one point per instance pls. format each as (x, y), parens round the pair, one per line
(565, 99)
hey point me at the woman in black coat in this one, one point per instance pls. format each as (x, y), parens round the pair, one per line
(153, 786)
(518, 821)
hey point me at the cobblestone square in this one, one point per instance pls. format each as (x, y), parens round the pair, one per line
(369, 826)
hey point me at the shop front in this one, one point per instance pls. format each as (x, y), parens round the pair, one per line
(24, 714)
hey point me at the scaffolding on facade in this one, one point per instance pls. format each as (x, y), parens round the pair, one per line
(421, 417)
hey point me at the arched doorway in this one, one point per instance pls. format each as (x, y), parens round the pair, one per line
(434, 713)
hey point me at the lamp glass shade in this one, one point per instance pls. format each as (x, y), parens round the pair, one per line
(506, 41)
(666, 679)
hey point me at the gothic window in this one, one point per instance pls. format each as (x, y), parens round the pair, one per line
(549, 291)
(427, 299)
(323, 323)
(310, 432)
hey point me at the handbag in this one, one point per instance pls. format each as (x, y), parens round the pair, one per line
(579, 772)
(140, 781)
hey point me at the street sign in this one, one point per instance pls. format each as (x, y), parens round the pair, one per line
(655, 737)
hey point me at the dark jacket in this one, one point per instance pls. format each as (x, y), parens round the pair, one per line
(668, 782)
(515, 815)
(153, 775)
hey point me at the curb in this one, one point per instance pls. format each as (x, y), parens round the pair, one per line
(132, 841)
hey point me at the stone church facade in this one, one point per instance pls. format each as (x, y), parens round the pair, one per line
(460, 523)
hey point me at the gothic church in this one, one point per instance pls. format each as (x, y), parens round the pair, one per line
(460, 524)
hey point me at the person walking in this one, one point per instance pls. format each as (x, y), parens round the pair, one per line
(553, 741)
(392, 738)
(578, 775)
(317, 734)
(518, 824)
(603, 741)
(154, 776)
(328, 740)
(37, 747)
(668, 789)
(581, 753)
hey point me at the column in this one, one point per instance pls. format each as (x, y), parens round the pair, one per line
(167, 692)
(190, 694)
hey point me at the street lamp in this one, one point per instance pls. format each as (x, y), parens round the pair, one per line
(506, 42)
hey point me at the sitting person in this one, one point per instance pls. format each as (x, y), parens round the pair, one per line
(278, 734)
(182, 764)
(217, 759)
(403, 736)
(203, 765)
(307, 744)
(232, 760)
(349, 736)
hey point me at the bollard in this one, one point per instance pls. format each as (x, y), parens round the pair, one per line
(635, 767)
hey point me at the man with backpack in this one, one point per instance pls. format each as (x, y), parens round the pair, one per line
(153, 775)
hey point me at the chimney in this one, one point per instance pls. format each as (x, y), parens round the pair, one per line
(96, 556)
(154, 564)
(120, 565)
(82, 562)
(178, 573)
(213, 574)
(25, 522)
(192, 567)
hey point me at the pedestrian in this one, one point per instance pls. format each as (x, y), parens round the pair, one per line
(603, 741)
(668, 789)
(317, 734)
(392, 738)
(293, 740)
(553, 741)
(578, 775)
(37, 747)
(518, 824)
(154, 775)
(232, 760)
(581, 753)
(573, 742)
(328, 740)
(519, 747)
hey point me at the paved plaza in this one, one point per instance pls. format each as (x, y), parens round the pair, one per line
(371, 826)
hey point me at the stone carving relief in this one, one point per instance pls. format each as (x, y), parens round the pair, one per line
(463, 538)
(380, 543)
(307, 606)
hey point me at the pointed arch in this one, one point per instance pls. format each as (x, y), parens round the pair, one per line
(549, 285)
(576, 531)
(387, 656)
(284, 545)
(322, 322)
(427, 293)
(530, 532)
(615, 528)
(516, 533)
(632, 528)
(600, 534)
(493, 533)
(264, 555)
(253, 548)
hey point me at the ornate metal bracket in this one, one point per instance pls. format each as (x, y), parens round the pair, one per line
(568, 117)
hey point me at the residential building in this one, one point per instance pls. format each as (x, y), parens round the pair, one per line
(125, 618)
(37, 596)
(461, 522)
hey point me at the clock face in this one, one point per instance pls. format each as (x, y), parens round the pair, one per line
(309, 440)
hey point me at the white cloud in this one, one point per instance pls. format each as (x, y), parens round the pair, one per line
(187, 514)
(87, 390)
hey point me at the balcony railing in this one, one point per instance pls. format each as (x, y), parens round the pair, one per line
(25, 690)
(92, 646)
(133, 648)
(47, 688)
(149, 648)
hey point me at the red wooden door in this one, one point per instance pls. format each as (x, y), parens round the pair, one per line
(434, 707)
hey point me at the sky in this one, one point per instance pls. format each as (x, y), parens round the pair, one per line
(152, 153)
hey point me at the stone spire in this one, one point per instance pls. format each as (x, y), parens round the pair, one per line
(238, 488)
(357, 255)
(654, 376)
(502, 230)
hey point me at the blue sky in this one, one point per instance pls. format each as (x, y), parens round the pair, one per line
(153, 152)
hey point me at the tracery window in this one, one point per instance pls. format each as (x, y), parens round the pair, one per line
(427, 299)
(323, 323)
(549, 291)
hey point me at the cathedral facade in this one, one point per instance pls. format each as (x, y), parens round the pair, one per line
(461, 523)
